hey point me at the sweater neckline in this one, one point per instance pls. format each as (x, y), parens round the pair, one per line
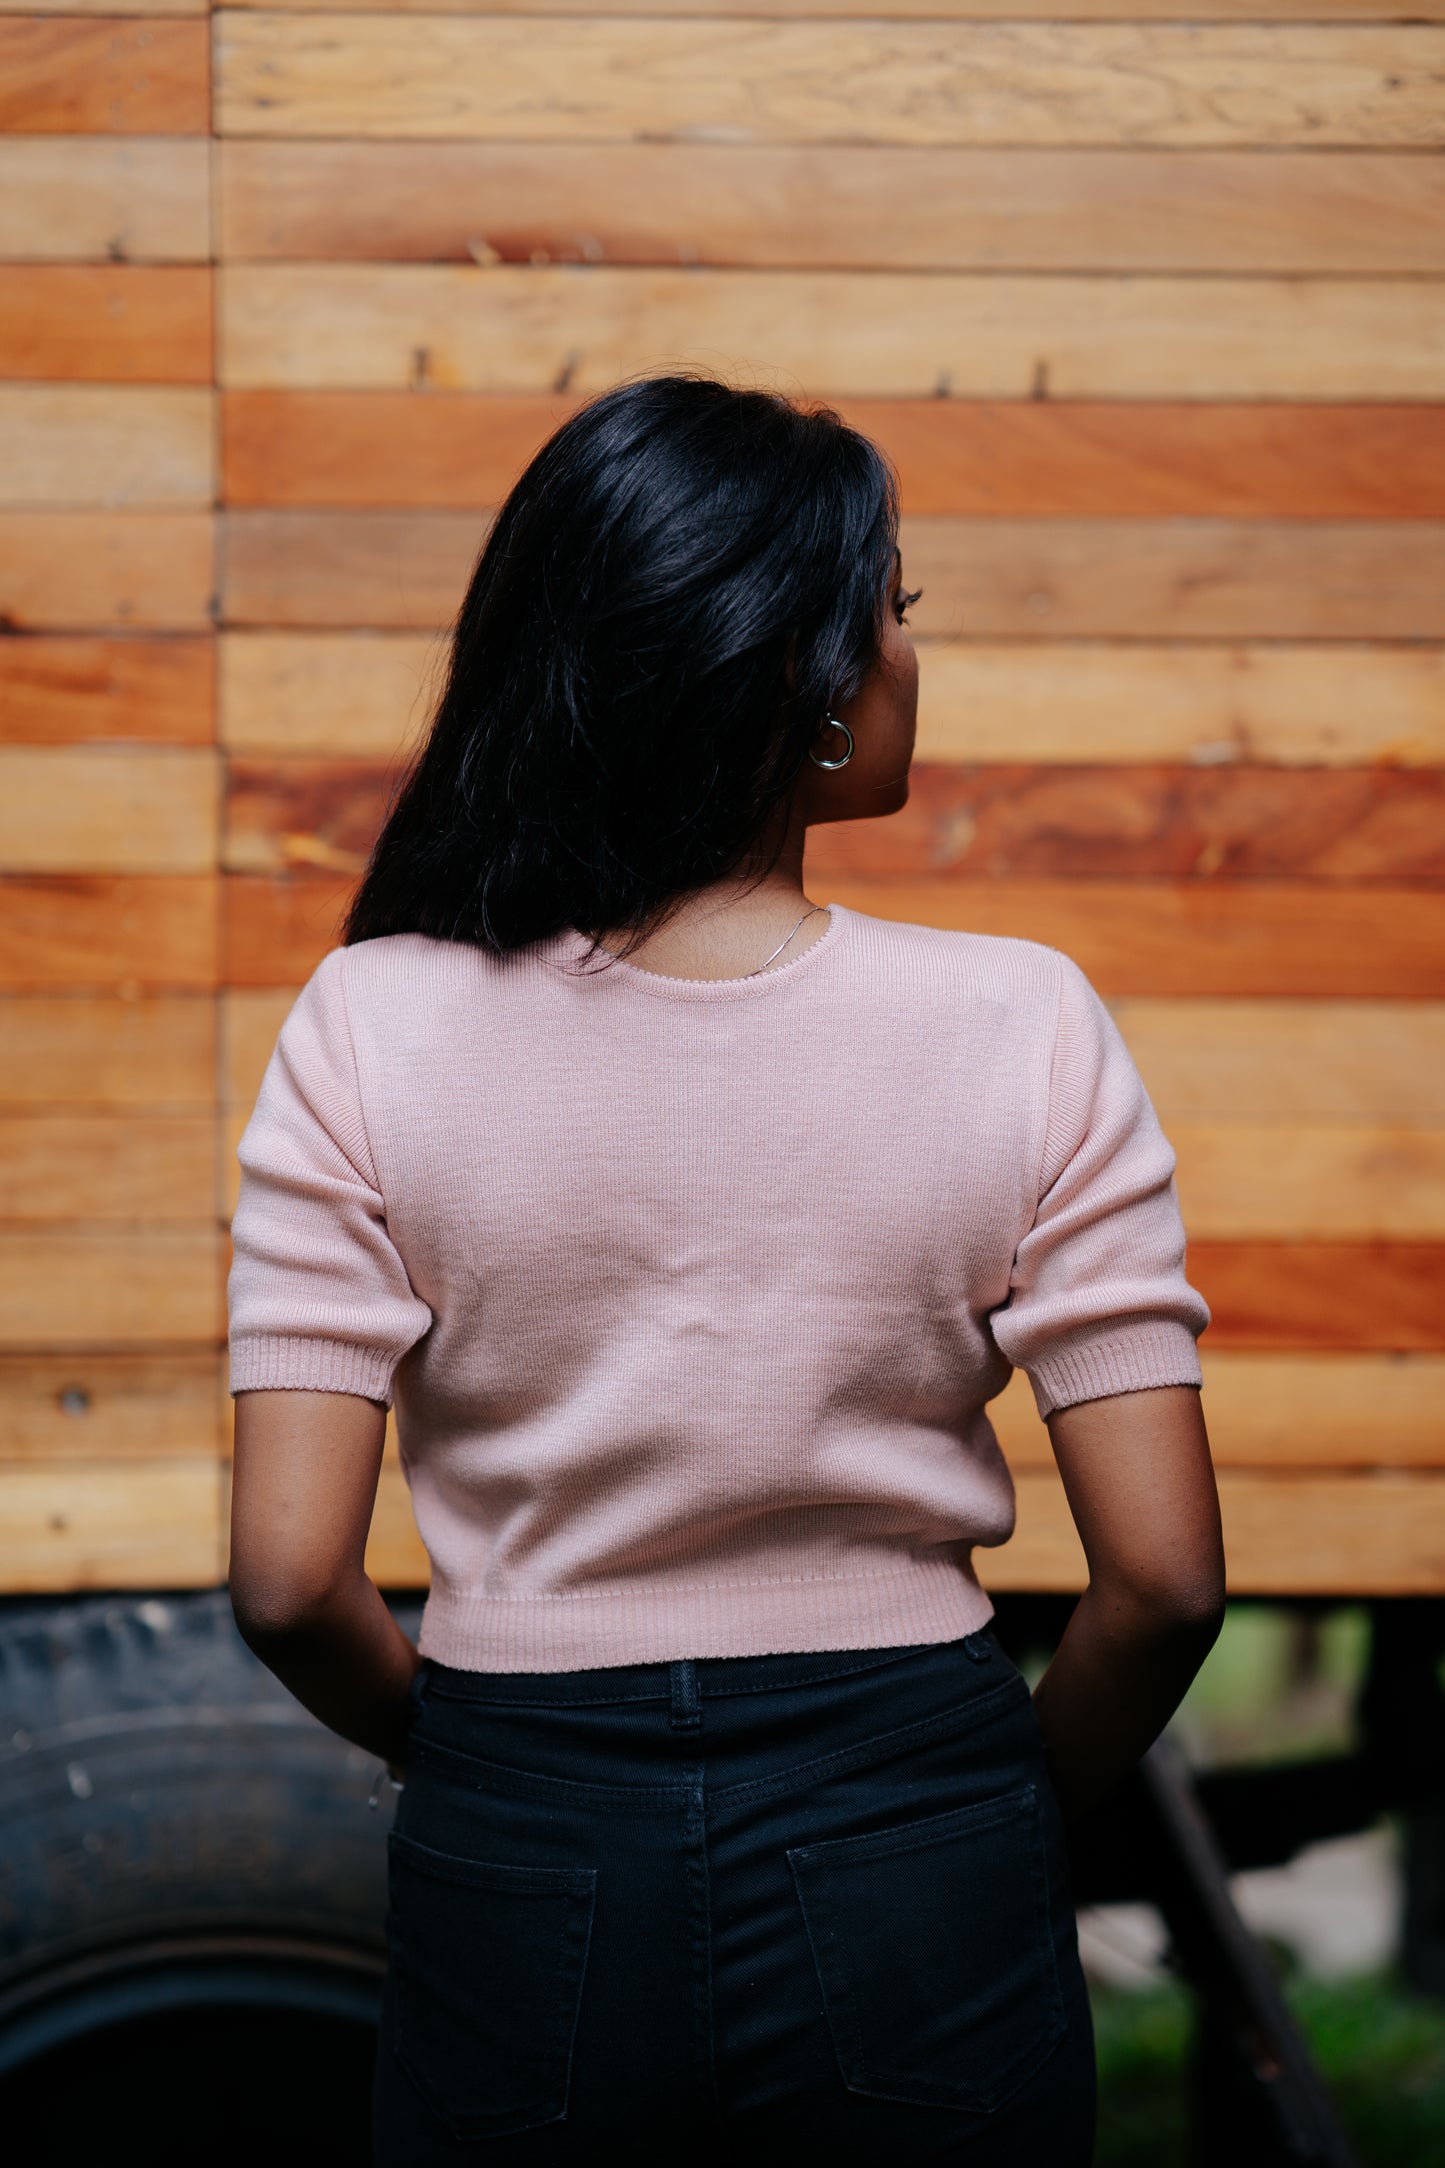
(572, 948)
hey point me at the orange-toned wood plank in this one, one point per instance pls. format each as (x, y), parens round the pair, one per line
(93, 1407)
(381, 448)
(365, 694)
(151, 1524)
(135, 77)
(149, 1167)
(108, 808)
(109, 323)
(138, 571)
(321, 814)
(834, 205)
(373, 569)
(1020, 457)
(395, 1557)
(250, 1024)
(1285, 1535)
(876, 10)
(1237, 822)
(278, 929)
(1343, 1063)
(110, 7)
(110, 1287)
(1178, 579)
(1156, 937)
(56, 690)
(134, 931)
(108, 445)
(103, 1050)
(1287, 1411)
(1303, 1296)
(1311, 1181)
(104, 199)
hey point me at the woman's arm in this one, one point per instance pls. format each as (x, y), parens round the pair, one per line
(1140, 1485)
(301, 1503)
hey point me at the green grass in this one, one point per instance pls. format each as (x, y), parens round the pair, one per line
(1381, 2050)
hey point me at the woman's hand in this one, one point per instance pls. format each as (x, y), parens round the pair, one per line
(1141, 1488)
(302, 1496)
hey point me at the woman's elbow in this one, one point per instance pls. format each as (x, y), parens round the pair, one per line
(275, 1601)
(1178, 1600)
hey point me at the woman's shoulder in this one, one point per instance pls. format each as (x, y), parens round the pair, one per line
(938, 960)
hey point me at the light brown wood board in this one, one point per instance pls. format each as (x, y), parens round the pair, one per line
(58, 689)
(139, 76)
(106, 323)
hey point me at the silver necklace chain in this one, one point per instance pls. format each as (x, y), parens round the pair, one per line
(811, 912)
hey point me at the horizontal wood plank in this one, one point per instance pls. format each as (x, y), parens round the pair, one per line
(1287, 1411)
(1311, 1181)
(1289, 1061)
(1010, 819)
(395, 1555)
(110, 1287)
(278, 928)
(1156, 937)
(83, 571)
(114, 199)
(128, 932)
(501, 328)
(1286, 1535)
(1302, 705)
(825, 205)
(139, 76)
(108, 809)
(90, 1407)
(110, 323)
(74, 444)
(1021, 458)
(102, 1050)
(1322, 1296)
(615, 78)
(368, 694)
(301, 813)
(874, 10)
(110, 1525)
(379, 570)
(152, 1167)
(251, 1021)
(62, 690)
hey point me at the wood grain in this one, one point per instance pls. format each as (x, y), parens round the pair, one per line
(59, 690)
(98, 1167)
(1012, 819)
(110, 1287)
(1297, 1181)
(825, 206)
(1322, 1296)
(301, 813)
(1379, 1534)
(108, 809)
(250, 1024)
(1021, 458)
(102, 1050)
(277, 929)
(501, 328)
(72, 444)
(619, 77)
(1156, 937)
(1289, 1061)
(874, 10)
(402, 570)
(137, 932)
(110, 1525)
(139, 571)
(133, 77)
(91, 1407)
(111, 198)
(1323, 705)
(1286, 1411)
(367, 694)
(111, 323)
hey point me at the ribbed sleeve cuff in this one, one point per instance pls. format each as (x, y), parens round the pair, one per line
(1130, 1360)
(279, 1363)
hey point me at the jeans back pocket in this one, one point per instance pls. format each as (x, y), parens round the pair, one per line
(934, 1950)
(485, 1984)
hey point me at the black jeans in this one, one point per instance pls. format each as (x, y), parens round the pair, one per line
(753, 1909)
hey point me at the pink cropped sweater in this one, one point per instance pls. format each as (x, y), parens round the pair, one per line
(692, 1295)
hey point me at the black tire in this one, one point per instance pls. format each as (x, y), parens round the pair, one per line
(192, 1890)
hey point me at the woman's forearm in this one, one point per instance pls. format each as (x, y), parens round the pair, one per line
(1117, 1676)
(344, 1658)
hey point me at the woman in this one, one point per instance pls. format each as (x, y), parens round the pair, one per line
(693, 1223)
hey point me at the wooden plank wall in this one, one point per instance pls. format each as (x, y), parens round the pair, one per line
(1149, 310)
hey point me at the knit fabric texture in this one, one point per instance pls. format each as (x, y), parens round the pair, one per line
(692, 1294)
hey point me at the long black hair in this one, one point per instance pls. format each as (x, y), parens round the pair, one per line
(682, 582)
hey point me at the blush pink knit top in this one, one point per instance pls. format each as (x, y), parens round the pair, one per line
(692, 1294)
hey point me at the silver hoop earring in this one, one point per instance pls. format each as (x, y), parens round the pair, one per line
(834, 724)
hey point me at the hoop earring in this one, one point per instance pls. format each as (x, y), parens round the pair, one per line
(834, 724)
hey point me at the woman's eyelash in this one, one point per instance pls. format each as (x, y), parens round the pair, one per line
(905, 602)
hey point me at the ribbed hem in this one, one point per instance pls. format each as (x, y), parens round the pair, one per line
(1131, 1360)
(930, 1601)
(280, 1362)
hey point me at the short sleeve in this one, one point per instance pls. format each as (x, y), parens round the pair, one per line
(1098, 1300)
(319, 1298)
